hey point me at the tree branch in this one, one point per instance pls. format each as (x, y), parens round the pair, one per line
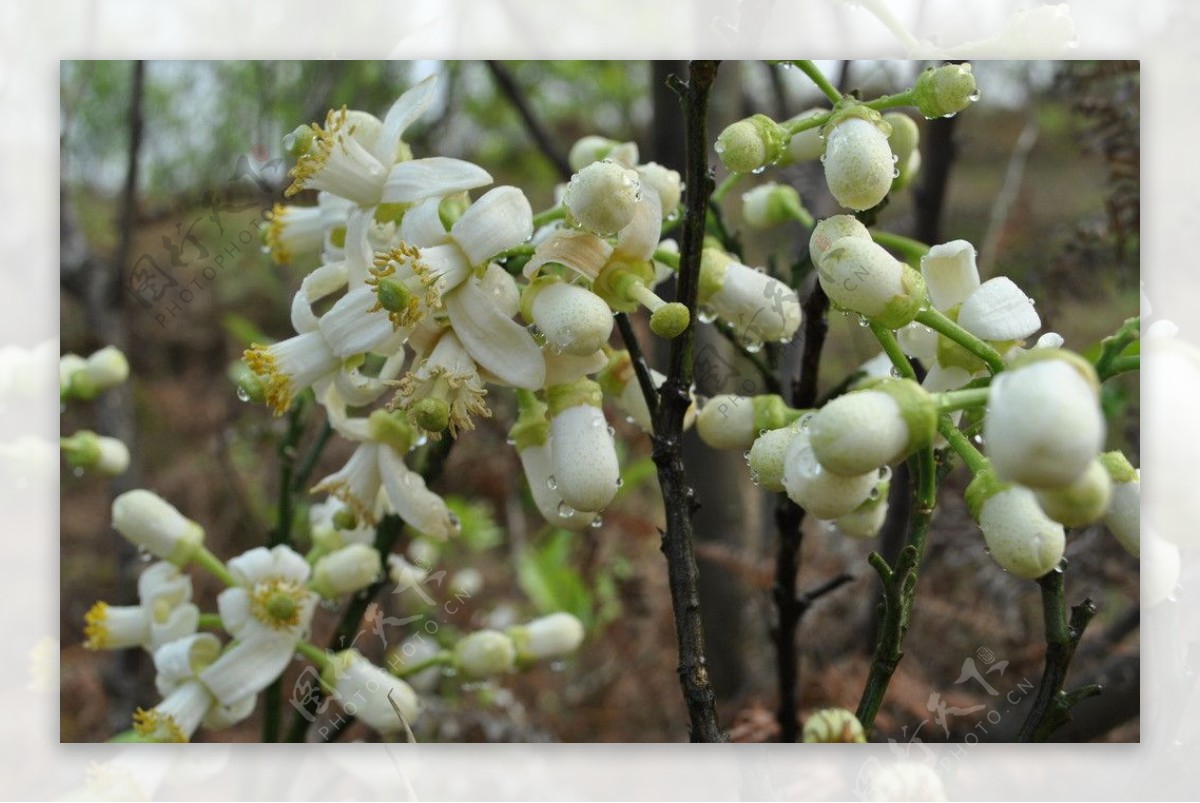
(537, 131)
(679, 499)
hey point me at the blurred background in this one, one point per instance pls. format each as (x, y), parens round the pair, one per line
(167, 166)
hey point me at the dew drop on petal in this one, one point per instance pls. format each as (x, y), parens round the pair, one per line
(552, 483)
(612, 431)
(597, 523)
(620, 482)
(565, 510)
(243, 394)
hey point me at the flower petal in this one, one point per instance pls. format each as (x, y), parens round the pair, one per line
(433, 177)
(323, 281)
(496, 222)
(358, 254)
(950, 273)
(999, 310)
(639, 239)
(584, 253)
(420, 507)
(356, 324)
(404, 112)
(248, 667)
(422, 224)
(496, 342)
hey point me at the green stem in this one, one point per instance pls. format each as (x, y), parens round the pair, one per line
(938, 322)
(961, 399)
(794, 127)
(725, 186)
(314, 654)
(310, 460)
(1121, 365)
(443, 658)
(549, 216)
(891, 347)
(962, 445)
(766, 373)
(818, 78)
(1112, 346)
(666, 257)
(211, 621)
(516, 251)
(213, 565)
(912, 250)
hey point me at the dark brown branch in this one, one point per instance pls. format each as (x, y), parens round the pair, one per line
(679, 498)
(937, 156)
(533, 125)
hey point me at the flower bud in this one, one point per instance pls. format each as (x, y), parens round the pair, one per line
(87, 451)
(603, 196)
(573, 319)
(904, 142)
(859, 167)
(727, 421)
(945, 91)
(372, 692)
(485, 653)
(1043, 424)
(751, 144)
(1019, 535)
(768, 454)
(808, 144)
(830, 230)
(759, 307)
(1083, 501)
(833, 725)
(553, 636)
(346, 571)
(866, 520)
(1123, 517)
(861, 276)
(861, 431)
(770, 204)
(1160, 568)
(665, 182)
(593, 148)
(107, 368)
(822, 493)
(586, 471)
(149, 522)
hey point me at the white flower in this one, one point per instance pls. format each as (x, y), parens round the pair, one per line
(603, 196)
(368, 692)
(553, 636)
(866, 519)
(85, 450)
(593, 148)
(346, 571)
(822, 493)
(445, 390)
(267, 613)
(768, 454)
(751, 144)
(421, 508)
(1123, 517)
(759, 307)
(830, 230)
(946, 90)
(1043, 424)
(584, 455)
(106, 368)
(290, 366)
(485, 653)
(861, 276)
(859, 166)
(863, 430)
(1021, 538)
(1083, 501)
(537, 461)
(727, 421)
(327, 536)
(149, 522)
(770, 204)
(165, 613)
(187, 702)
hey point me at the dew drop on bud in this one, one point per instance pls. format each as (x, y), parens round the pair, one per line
(511, 441)
(864, 321)
(620, 482)
(243, 394)
(597, 523)
(565, 510)
(612, 431)
(758, 171)
(552, 483)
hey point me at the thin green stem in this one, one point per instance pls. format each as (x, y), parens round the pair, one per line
(1112, 346)
(443, 658)
(549, 216)
(211, 621)
(670, 258)
(517, 251)
(769, 380)
(731, 181)
(912, 250)
(314, 654)
(817, 77)
(891, 347)
(940, 323)
(962, 445)
(213, 565)
(1122, 365)
(960, 399)
(310, 459)
(793, 127)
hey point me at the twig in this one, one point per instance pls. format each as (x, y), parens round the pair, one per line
(679, 498)
(310, 459)
(640, 369)
(766, 374)
(1052, 706)
(536, 130)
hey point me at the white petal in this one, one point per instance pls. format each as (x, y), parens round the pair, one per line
(999, 310)
(562, 368)
(358, 253)
(178, 661)
(539, 471)
(357, 483)
(323, 281)
(248, 667)
(497, 343)
(917, 340)
(950, 273)
(351, 328)
(496, 222)
(639, 239)
(422, 224)
(164, 581)
(261, 564)
(178, 622)
(584, 456)
(433, 177)
(404, 112)
(233, 604)
(584, 253)
(420, 507)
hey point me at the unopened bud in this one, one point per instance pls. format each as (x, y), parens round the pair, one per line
(944, 91)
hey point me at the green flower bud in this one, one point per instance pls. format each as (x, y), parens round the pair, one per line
(485, 653)
(945, 91)
(833, 725)
(751, 144)
(904, 142)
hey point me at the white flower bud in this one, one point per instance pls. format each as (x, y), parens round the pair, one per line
(107, 368)
(866, 519)
(553, 636)
(1124, 515)
(861, 276)
(114, 457)
(944, 91)
(1043, 424)
(759, 307)
(68, 366)
(602, 197)
(346, 571)
(904, 141)
(859, 167)
(485, 653)
(574, 319)
(368, 693)
(999, 310)
(727, 421)
(151, 523)
(593, 148)
(861, 431)
(822, 493)
(1022, 538)
(768, 454)
(1083, 501)
(769, 205)
(833, 725)
(665, 182)
(1160, 566)
(808, 144)
(466, 582)
(586, 471)
(830, 230)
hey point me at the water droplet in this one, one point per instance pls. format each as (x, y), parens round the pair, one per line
(511, 441)
(822, 155)
(752, 345)
(874, 493)
(895, 373)
(421, 441)
(612, 431)
(754, 477)
(620, 482)
(629, 420)
(77, 471)
(746, 455)
(977, 440)
(762, 432)
(243, 394)
(885, 473)
(785, 340)
(455, 522)
(706, 314)
(565, 510)
(449, 671)
(552, 483)
(758, 171)
(144, 555)
(974, 96)
(558, 666)
(597, 523)
(896, 173)
(864, 321)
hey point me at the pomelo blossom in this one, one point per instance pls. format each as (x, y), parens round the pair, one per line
(368, 692)
(151, 523)
(346, 570)
(1123, 516)
(267, 613)
(752, 144)
(553, 636)
(485, 653)
(859, 164)
(163, 614)
(531, 437)
(862, 277)
(822, 493)
(760, 308)
(876, 426)
(583, 453)
(729, 421)
(1019, 535)
(1083, 501)
(602, 197)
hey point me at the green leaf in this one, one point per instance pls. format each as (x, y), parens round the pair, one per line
(546, 576)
